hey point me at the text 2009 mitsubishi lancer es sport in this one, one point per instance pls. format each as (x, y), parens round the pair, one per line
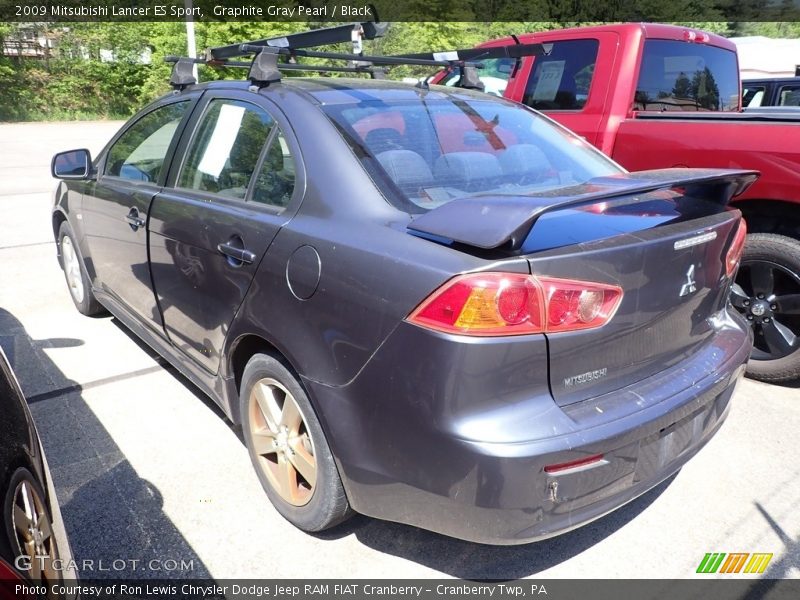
(426, 305)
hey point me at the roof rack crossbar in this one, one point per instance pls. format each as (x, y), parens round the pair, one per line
(265, 68)
(368, 30)
(377, 60)
(366, 68)
(304, 67)
(477, 54)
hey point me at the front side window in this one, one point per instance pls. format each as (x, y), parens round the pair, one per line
(561, 79)
(681, 76)
(225, 149)
(140, 152)
(425, 153)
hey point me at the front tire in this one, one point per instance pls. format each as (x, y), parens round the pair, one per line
(288, 448)
(78, 283)
(767, 293)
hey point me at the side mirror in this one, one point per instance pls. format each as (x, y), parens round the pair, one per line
(72, 164)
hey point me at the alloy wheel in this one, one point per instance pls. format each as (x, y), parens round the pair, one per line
(72, 269)
(281, 441)
(33, 532)
(768, 295)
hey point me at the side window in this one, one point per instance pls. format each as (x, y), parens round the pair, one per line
(561, 80)
(140, 152)
(275, 182)
(753, 95)
(789, 96)
(224, 151)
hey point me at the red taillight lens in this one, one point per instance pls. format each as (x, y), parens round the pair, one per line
(575, 305)
(734, 255)
(483, 304)
(491, 304)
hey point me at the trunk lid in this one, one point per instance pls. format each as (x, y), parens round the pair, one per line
(673, 280)
(662, 236)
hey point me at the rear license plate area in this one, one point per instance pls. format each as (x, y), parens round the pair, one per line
(660, 449)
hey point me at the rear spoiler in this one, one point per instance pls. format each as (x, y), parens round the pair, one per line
(492, 221)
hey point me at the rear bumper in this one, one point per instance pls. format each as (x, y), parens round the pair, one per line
(453, 436)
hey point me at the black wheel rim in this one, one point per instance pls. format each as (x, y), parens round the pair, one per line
(768, 295)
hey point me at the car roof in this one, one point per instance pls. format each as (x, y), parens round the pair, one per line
(341, 90)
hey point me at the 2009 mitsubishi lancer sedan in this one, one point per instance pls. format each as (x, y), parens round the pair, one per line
(426, 305)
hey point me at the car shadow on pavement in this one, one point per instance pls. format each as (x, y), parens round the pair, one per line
(114, 518)
(468, 560)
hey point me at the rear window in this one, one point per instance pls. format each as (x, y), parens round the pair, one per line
(494, 75)
(682, 76)
(425, 153)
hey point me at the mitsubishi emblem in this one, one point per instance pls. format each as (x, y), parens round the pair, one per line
(690, 286)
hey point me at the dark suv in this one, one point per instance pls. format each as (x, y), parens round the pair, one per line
(427, 305)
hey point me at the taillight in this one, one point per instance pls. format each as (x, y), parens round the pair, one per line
(734, 255)
(696, 36)
(492, 304)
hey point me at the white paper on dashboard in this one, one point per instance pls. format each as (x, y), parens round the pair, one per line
(219, 147)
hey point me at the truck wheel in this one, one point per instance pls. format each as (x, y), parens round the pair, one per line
(767, 293)
(80, 288)
(288, 449)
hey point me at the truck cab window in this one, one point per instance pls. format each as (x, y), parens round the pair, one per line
(562, 79)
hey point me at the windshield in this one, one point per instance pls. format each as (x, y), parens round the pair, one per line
(425, 153)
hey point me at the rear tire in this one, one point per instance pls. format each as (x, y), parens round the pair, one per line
(767, 293)
(78, 282)
(29, 525)
(288, 448)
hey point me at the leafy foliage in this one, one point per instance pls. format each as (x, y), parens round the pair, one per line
(100, 69)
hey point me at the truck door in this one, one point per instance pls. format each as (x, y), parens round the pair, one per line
(212, 225)
(563, 83)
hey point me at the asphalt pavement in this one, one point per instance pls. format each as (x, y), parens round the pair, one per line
(151, 475)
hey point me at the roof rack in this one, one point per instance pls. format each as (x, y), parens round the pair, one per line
(264, 67)
(352, 32)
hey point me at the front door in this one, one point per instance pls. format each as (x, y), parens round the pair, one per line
(212, 226)
(116, 206)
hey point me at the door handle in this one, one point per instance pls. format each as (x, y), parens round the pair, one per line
(238, 255)
(134, 220)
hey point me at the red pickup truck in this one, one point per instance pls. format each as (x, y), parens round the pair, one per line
(653, 96)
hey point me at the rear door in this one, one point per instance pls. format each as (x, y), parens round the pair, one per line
(116, 206)
(212, 226)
